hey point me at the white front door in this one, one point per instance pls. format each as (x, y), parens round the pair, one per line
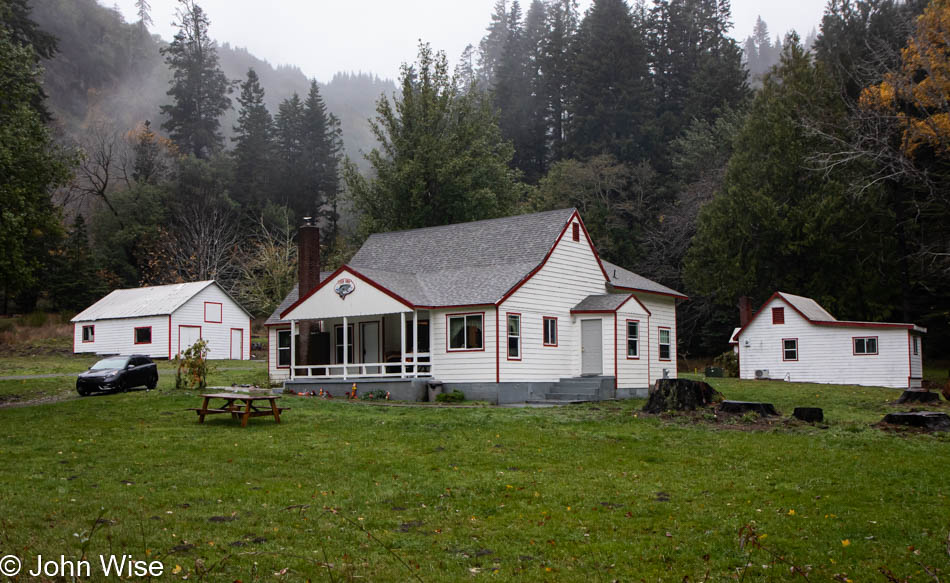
(369, 341)
(237, 343)
(188, 335)
(592, 357)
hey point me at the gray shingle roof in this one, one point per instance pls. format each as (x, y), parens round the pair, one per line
(809, 307)
(627, 279)
(601, 303)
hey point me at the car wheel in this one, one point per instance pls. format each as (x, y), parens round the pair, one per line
(152, 383)
(82, 392)
(122, 387)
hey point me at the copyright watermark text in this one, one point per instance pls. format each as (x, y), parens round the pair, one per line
(124, 566)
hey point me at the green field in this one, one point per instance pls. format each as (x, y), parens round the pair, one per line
(342, 491)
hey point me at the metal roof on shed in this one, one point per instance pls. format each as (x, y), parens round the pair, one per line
(158, 300)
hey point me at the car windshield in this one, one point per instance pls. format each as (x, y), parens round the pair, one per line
(110, 363)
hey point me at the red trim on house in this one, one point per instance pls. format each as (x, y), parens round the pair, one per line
(250, 337)
(220, 313)
(277, 346)
(910, 358)
(482, 349)
(135, 334)
(778, 316)
(877, 346)
(497, 346)
(83, 332)
(169, 336)
(520, 337)
(648, 291)
(557, 339)
(659, 344)
(649, 363)
(616, 377)
(231, 343)
(626, 348)
(180, 326)
(783, 350)
(617, 309)
(333, 276)
(74, 338)
(527, 278)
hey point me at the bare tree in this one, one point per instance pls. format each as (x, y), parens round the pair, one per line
(205, 239)
(268, 268)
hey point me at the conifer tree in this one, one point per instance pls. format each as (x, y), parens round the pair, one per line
(557, 65)
(199, 88)
(254, 146)
(323, 149)
(492, 46)
(291, 140)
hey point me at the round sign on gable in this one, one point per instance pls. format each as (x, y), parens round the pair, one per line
(344, 287)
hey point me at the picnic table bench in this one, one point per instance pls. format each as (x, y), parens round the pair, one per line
(240, 406)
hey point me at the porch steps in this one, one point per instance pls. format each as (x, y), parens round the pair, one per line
(579, 390)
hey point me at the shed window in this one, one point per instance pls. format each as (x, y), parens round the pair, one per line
(550, 331)
(575, 231)
(916, 345)
(89, 333)
(778, 315)
(790, 349)
(665, 344)
(465, 332)
(349, 343)
(213, 312)
(865, 345)
(143, 335)
(514, 336)
(633, 339)
(283, 348)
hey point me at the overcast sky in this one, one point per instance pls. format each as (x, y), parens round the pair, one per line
(326, 36)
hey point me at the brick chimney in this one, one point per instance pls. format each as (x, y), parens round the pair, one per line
(308, 277)
(745, 311)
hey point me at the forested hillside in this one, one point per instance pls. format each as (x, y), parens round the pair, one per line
(823, 174)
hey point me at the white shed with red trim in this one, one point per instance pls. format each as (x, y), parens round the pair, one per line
(160, 321)
(793, 338)
(489, 306)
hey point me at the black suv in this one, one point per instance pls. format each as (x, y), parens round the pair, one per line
(119, 373)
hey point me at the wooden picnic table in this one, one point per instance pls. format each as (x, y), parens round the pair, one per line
(240, 405)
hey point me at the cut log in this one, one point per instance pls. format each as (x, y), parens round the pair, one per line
(918, 396)
(680, 395)
(930, 420)
(764, 409)
(809, 414)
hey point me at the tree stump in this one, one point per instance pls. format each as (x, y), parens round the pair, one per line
(918, 396)
(930, 420)
(764, 409)
(809, 414)
(680, 395)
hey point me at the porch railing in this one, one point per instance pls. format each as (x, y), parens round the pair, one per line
(393, 369)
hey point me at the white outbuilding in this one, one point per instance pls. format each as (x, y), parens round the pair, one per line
(793, 338)
(161, 321)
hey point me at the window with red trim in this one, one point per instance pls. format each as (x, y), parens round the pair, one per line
(575, 231)
(465, 332)
(143, 335)
(865, 346)
(633, 339)
(778, 315)
(89, 333)
(514, 337)
(213, 312)
(550, 331)
(665, 344)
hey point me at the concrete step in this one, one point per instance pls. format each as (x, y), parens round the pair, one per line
(554, 402)
(571, 396)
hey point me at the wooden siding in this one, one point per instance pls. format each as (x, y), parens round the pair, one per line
(218, 335)
(276, 374)
(365, 300)
(825, 353)
(632, 373)
(116, 336)
(570, 274)
(662, 315)
(465, 366)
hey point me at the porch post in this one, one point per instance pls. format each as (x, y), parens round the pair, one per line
(415, 342)
(346, 353)
(293, 347)
(402, 344)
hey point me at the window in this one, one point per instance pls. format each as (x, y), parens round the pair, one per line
(465, 332)
(283, 348)
(89, 333)
(575, 231)
(790, 349)
(213, 312)
(514, 336)
(339, 343)
(143, 335)
(665, 344)
(550, 331)
(778, 315)
(633, 339)
(865, 345)
(916, 345)
(423, 336)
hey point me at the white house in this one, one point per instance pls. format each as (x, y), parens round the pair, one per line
(161, 321)
(508, 309)
(795, 339)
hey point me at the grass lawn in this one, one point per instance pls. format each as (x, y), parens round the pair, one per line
(343, 491)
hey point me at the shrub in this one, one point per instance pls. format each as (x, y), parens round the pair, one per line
(34, 319)
(729, 363)
(378, 394)
(192, 367)
(455, 396)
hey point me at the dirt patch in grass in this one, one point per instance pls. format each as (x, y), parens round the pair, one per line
(716, 419)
